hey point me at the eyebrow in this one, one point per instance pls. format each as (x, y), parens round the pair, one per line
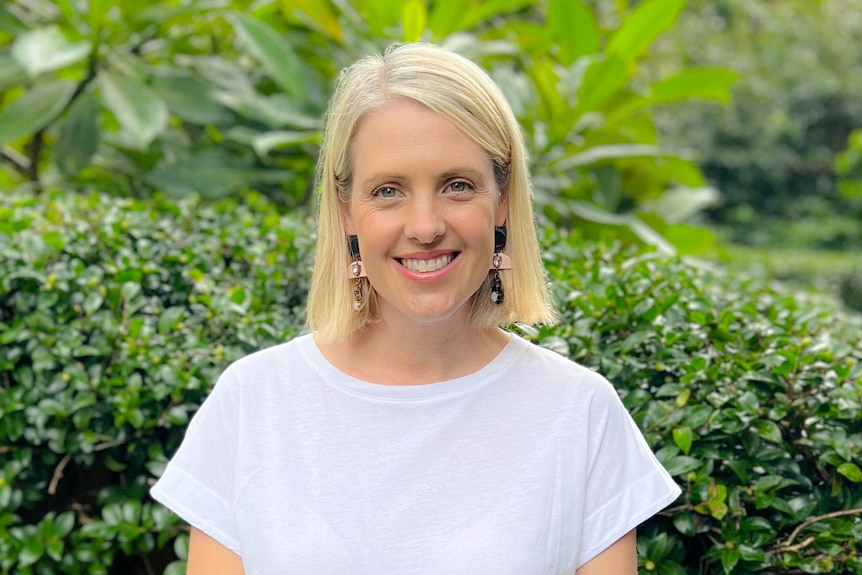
(395, 177)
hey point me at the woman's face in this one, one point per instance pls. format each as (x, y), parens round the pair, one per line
(424, 205)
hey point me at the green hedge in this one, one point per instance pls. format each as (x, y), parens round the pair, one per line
(116, 317)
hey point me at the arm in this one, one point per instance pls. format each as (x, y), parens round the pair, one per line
(621, 558)
(209, 557)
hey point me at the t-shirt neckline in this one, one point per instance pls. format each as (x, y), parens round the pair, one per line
(487, 373)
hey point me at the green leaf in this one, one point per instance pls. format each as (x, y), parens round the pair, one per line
(46, 49)
(266, 142)
(190, 99)
(141, 113)
(275, 55)
(445, 16)
(208, 172)
(11, 74)
(33, 110)
(604, 78)
(768, 430)
(851, 471)
(485, 10)
(78, 138)
(643, 25)
(597, 154)
(711, 84)
(64, 523)
(574, 29)
(321, 17)
(683, 437)
(414, 18)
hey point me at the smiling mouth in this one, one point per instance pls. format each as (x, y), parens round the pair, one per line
(430, 265)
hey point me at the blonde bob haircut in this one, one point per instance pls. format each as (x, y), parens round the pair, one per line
(465, 95)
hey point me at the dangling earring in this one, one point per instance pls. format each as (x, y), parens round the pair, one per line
(499, 262)
(356, 271)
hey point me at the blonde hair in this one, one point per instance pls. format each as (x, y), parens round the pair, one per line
(465, 95)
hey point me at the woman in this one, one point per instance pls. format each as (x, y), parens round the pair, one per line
(407, 432)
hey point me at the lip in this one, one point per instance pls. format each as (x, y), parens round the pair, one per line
(427, 276)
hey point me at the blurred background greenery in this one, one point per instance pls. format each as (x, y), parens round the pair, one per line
(726, 131)
(719, 129)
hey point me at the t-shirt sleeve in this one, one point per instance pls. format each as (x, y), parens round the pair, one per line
(626, 485)
(198, 482)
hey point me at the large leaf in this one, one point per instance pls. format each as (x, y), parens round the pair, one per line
(190, 99)
(603, 78)
(318, 15)
(414, 19)
(678, 205)
(574, 29)
(79, 136)
(379, 14)
(141, 113)
(445, 16)
(46, 49)
(712, 84)
(649, 19)
(11, 74)
(268, 141)
(639, 228)
(483, 11)
(603, 153)
(33, 110)
(207, 172)
(275, 55)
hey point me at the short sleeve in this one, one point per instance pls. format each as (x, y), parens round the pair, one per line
(198, 482)
(626, 484)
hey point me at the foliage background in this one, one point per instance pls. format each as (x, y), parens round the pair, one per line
(663, 123)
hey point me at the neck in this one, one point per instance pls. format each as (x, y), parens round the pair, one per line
(416, 354)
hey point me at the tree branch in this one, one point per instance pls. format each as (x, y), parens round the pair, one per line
(788, 545)
(20, 162)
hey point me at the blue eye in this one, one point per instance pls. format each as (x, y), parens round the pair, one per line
(386, 192)
(460, 186)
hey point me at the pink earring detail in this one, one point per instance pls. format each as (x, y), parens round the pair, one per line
(355, 270)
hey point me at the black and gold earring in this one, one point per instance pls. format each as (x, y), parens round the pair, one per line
(356, 271)
(498, 262)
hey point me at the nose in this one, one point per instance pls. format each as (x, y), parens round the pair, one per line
(425, 222)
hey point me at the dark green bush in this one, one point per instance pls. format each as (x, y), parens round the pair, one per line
(117, 316)
(115, 319)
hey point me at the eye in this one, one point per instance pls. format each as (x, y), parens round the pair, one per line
(385, 192)
(461, 186)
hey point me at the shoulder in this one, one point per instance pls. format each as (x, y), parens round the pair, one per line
(269, 358)
(545, 366)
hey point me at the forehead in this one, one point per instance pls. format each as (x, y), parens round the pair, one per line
(405, 133)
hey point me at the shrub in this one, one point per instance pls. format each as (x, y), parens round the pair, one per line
(116, 317)
(751, 397)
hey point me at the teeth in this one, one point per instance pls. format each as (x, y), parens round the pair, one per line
(422, 266)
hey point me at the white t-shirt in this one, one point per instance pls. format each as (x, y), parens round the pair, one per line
(529, 466)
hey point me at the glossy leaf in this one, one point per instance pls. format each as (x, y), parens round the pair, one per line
(414, 18)
(597, 154)
(141, 113)
(445, 17)
(574, 29)
(275, 55)
(46, 49)
(34, 109)
(649, 19)
(712, 84)
(11, 74)
(78, 137)
(320, 16)
(487, 9)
